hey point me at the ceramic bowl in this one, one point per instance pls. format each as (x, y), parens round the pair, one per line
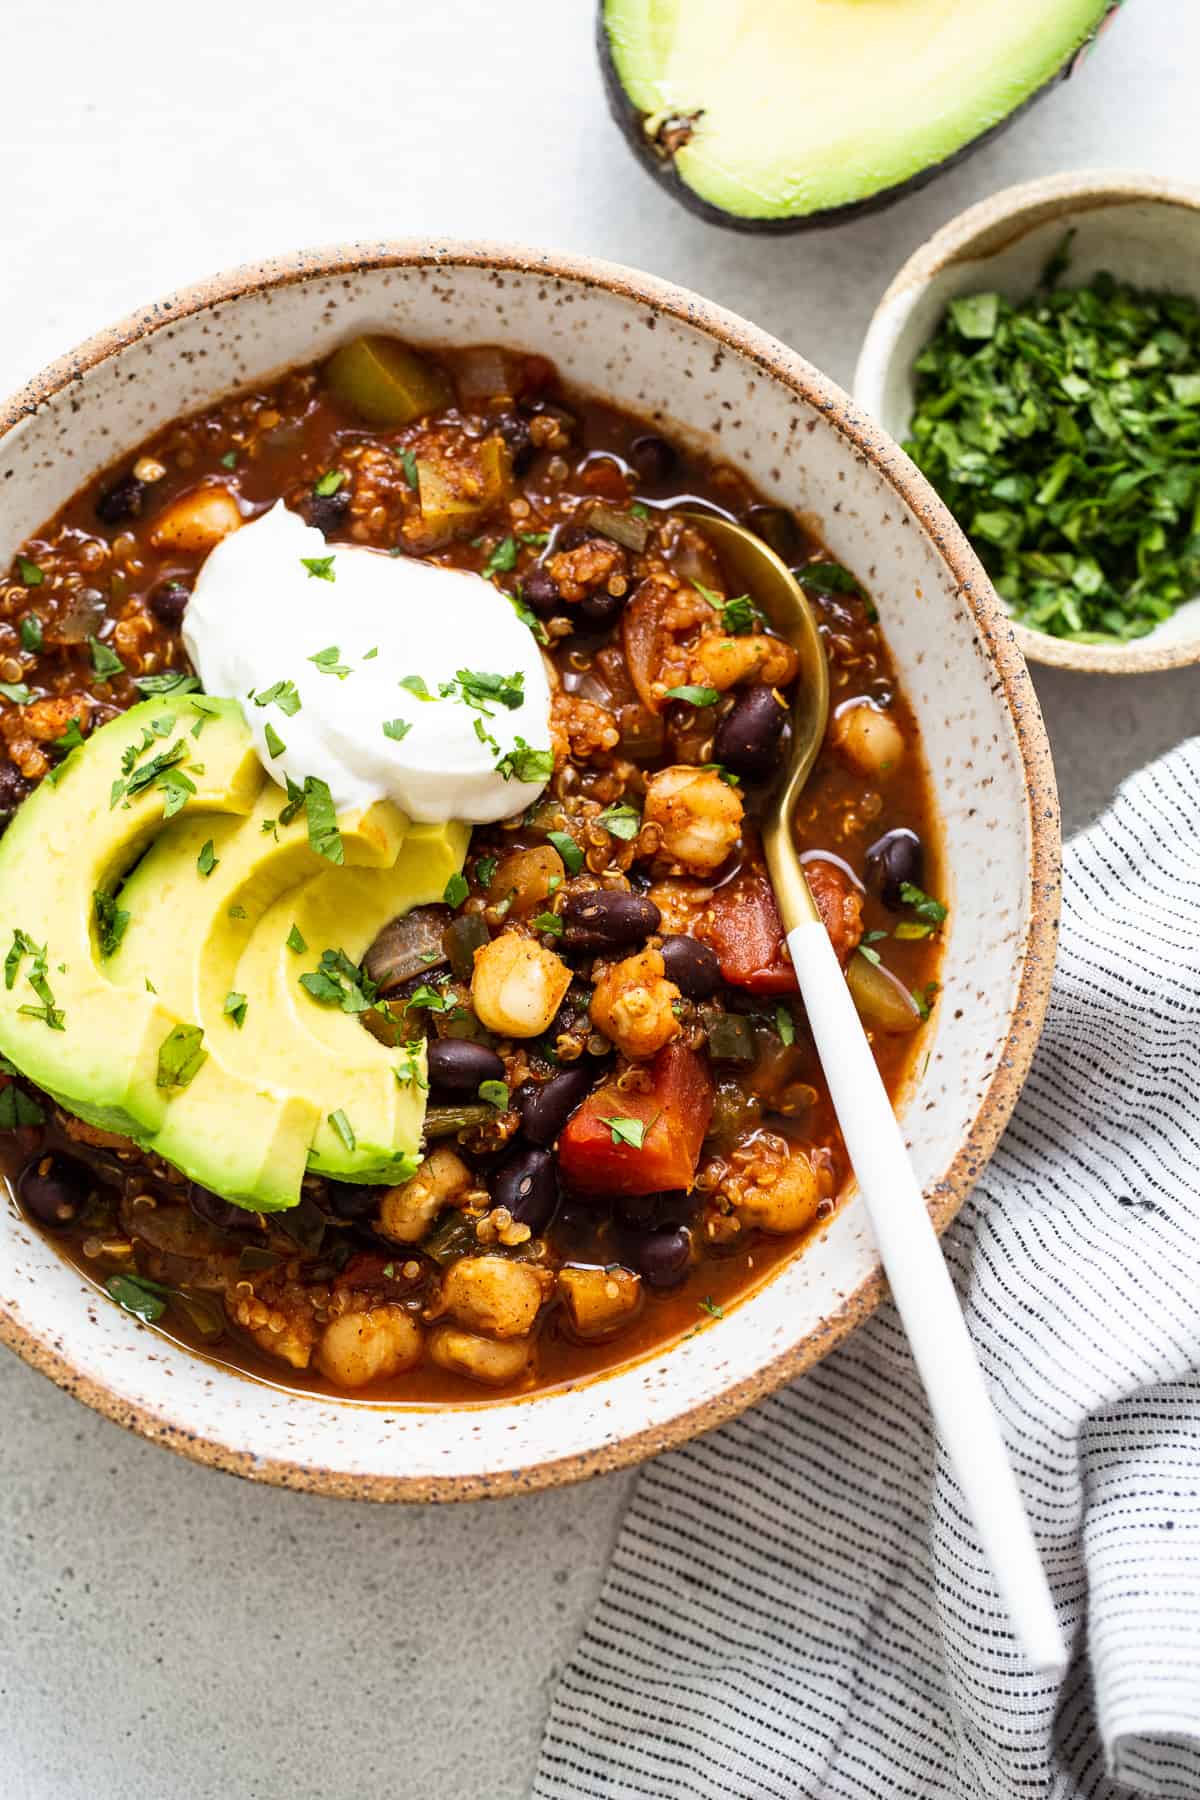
(1142, 229)
(672, 357)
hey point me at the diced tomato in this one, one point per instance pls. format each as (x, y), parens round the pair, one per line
(605, 477)
(743, 926)
(674, 1114)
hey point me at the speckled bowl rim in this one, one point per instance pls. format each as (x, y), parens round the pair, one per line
(1023, 208)
(775, 361)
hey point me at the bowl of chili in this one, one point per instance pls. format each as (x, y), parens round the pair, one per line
(685, 1223)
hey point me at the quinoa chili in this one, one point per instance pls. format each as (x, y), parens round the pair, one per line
(620, 1177)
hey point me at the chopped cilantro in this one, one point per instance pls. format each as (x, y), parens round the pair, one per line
(344, 1129)
(281, 694)
(16, 691)
(71, 739)
(485, 868)
(430, 999)
(785, 1025)
(827, 578)
(295, 941)
(456, 890)
(416, 684)
(922, 903)
(526, 763)
(235, 1008)
(105, 662)
(336, 981)
(31, 633)
(627, 1131)
(502, 559)
(694, 696)
(236, 912)
(181, 1056)
(111, 922)
(710, 1306)
(408, 463)
(206, 862)
(530, 618)
(481, 689)
(171, 681)
(29, 572)
(621, 821)
(548, 921)
(329, 483)
(568, 849)
(319, 566)
(21, 947)
(495, 1093)
(871, 954)
(275, 744)
(397, 729)
(229, 460)
(327, 662)
(323, 834)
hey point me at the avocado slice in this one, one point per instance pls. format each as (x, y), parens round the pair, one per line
(240, 1127)
(321, 1050)
(95, 1048)
(773, 117)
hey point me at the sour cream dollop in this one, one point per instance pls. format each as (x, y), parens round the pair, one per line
(347, 627)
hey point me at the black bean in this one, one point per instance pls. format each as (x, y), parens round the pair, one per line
(778, 528)
(13, 789)
(54, 1190)
(517, 435)
(328, 512)
(545, 1106)
(898, 856)
(747, 739)
(527, 1184)
(602, 608)
(570, 537)
(123, 500)
(650, 1212)
(214, 1211)
(608, 919)
(168, 602)
(660, 1257)
(539, 590)
(350, 1199)
(457, 1066)
(692, 966)
(653, 458)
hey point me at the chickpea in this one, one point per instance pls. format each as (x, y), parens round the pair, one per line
(407, 1212)
(363, 1346)
(721, 662)
(868, 737)
(699, 814)
(481, 1358)
(599, 1300)
(633, 1004)
(495, 1296)
(787, 1204)
(197, 520)
(518, 985)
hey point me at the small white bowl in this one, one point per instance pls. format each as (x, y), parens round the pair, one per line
(1142, 229)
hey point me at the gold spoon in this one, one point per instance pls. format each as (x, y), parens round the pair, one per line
(908, 1247)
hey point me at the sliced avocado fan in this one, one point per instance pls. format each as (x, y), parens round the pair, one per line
(772, 114)
(138, 990)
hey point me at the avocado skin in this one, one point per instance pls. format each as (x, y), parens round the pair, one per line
(629, 118)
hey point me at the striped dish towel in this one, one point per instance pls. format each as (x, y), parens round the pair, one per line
(797, 1607)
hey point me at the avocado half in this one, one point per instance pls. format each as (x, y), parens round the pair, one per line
(777, 115)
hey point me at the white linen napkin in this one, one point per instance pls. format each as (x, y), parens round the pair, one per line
(797, 1607)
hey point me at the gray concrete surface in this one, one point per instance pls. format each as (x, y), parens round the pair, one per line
(165, 1630)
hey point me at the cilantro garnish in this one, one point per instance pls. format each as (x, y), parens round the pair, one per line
(36, 975)
(495, 1093)
(694, 696)
(181, 1056)
(323, 834)
(548, 921)
(1063, 432)
(417, 685)
(111, 922)
(827, 578)
(502, 559)
(171, 681)
(408, 463)
(327, 662)
(456, 890)
(397, 729)
(31, 633)
(344, 1129)
(329, 483)
(408, 1070)
(481, 689)
(105, 662)
(430, 999)
(621, 821)
(281, 694)
(275, 744)
(29, 572)
(872, 955)
(711, 1307)
(320, 566)
(336, 981)
(229, 460)
(17, 692)
(785, 1025)
(71, 739)
(206, 862)
(525, 763)
(568, 849)
(627, 1131)
(923, 904)
(485, 868)
(235, 1008)
(527, 617)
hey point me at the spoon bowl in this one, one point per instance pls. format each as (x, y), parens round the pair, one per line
(754, 568)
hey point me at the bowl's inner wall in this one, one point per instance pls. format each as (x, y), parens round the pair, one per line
(659, 366)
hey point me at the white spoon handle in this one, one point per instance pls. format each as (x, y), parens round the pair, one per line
(925, 1296)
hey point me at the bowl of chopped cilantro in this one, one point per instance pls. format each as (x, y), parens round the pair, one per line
(1039, 359)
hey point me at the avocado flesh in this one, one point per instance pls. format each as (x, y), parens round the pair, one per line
(68, 842)
(805, 106)
(263, 1160)
(326, 1052)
